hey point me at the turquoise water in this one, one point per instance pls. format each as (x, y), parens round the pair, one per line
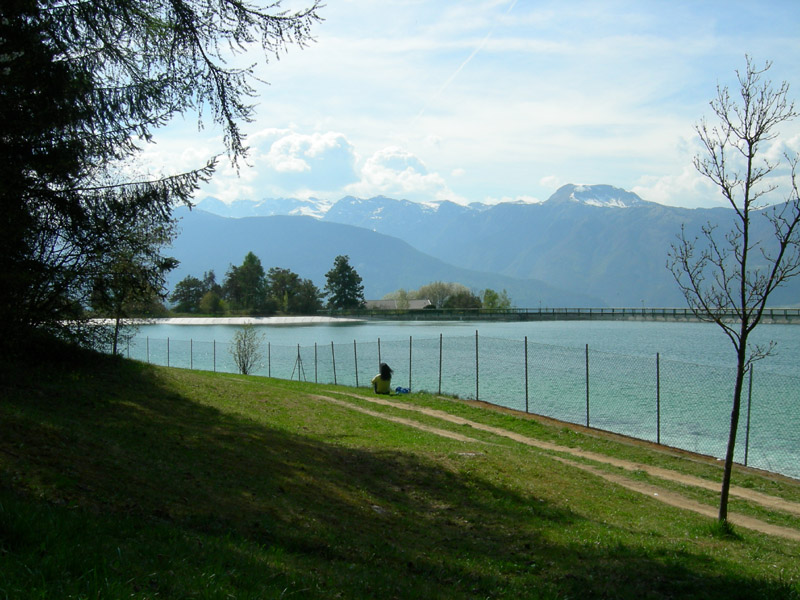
(703, 343)
(682, 399)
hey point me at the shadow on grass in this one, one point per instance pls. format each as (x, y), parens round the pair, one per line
(113, 483)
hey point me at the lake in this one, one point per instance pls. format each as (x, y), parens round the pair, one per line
(702, 343)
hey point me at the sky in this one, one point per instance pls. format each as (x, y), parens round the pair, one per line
(496, 100)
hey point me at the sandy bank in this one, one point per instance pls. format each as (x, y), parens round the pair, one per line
(240, 321)
(254, 320)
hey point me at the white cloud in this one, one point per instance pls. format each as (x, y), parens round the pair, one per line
(394, 171)
(687, 188)
(286, 163)
(551, 182)
(289, 163)
(324, 160)
(793, 143)
(499, 99)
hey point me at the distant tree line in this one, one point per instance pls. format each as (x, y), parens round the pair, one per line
(249, 289)
(451, 295)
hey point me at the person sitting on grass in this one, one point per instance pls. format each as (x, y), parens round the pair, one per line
(382, 382)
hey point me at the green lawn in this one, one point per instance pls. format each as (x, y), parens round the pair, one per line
(119, 479)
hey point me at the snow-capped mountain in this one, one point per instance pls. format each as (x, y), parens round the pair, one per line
(597, 240)
(604, 196)
(369, 212)
(309, 246)
(388, 215)
(267, 207)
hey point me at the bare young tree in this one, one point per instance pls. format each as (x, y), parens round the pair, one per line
(727, 278)
(245, 349)
(439, 292)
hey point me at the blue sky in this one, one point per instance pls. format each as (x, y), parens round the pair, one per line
(488, 101)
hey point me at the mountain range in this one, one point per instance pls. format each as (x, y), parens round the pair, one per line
(585, 246)
(308, 246)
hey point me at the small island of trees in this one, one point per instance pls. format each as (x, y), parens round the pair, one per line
(250, 289)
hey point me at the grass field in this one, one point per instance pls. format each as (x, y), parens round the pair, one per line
(124, 480)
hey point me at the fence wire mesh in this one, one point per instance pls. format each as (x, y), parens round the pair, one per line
(678, 404)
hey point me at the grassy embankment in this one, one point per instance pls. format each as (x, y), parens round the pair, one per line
(119, 479)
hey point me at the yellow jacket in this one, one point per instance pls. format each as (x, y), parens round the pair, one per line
(381, 386)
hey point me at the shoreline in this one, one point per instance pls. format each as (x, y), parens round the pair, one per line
(307, 320)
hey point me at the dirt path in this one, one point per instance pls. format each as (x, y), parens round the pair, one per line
(409, 422)
(673, 499)
(660, 494)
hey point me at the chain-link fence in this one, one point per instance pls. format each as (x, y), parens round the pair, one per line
(678, 404)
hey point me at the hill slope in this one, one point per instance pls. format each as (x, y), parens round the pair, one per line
(600, 240)
(308, 247)
(591, 240)
(118, 479)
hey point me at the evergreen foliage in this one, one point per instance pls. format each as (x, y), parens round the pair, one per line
(463, 299)
(248, 289)
(245, 285)
(135, 276)
(307, 298)
(211, 303)
(82, 85)
(190, 292)
(343, 287)
(290, 294)
(187, 294)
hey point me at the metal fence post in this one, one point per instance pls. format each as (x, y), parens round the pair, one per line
(526, 373)
(315, 363)
(269, 359)
(191, 356)
(214, 355)
(440, 364)
(148, 349)
(333, 359)
(167, 351)
(379, 354)
(355, 359)
(749, 403)
(587, 385)
(299, 364)
(477, 380)
(658, 398)
(409, 362)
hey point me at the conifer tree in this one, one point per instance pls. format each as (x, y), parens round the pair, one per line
(83, 85)
(245, 286)
(343, 287)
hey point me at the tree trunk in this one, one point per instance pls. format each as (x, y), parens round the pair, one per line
(737, 401)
